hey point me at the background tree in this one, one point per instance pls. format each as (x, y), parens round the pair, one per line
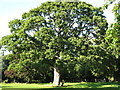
(55, 33)
(0, 62)
(113, 40)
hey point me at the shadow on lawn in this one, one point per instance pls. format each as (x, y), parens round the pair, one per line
(97, 85)
(5, 87)
(64, 89)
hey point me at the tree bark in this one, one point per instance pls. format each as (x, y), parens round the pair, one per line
(56, 80)
(117, 73)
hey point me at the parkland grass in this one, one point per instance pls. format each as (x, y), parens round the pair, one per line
(67, 86)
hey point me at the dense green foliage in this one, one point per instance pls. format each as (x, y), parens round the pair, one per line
(113, 40)
(68, 35)
(0, 62)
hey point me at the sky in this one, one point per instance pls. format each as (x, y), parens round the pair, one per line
(13, 9)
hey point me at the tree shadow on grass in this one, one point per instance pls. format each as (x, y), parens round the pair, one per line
(97, 85)
(5, 87)
(81, 89)
(63, 89)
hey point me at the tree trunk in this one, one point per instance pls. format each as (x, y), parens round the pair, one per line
(117, 76)
(117, 73)
(56, 80)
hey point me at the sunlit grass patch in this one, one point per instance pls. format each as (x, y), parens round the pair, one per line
(24, 85)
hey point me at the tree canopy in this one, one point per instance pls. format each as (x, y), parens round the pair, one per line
(113, 40)
(54, 35)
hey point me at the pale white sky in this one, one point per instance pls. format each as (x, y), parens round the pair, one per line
(13, 9)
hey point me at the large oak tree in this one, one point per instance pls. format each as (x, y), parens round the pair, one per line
(56, 33)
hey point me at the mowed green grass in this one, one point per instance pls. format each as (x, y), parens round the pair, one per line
(67, 86)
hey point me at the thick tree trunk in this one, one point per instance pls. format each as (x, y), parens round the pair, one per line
(56, 80)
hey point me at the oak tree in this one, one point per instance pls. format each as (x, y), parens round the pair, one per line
(55, 33)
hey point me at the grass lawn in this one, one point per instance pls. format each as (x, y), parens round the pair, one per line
(67, 86)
